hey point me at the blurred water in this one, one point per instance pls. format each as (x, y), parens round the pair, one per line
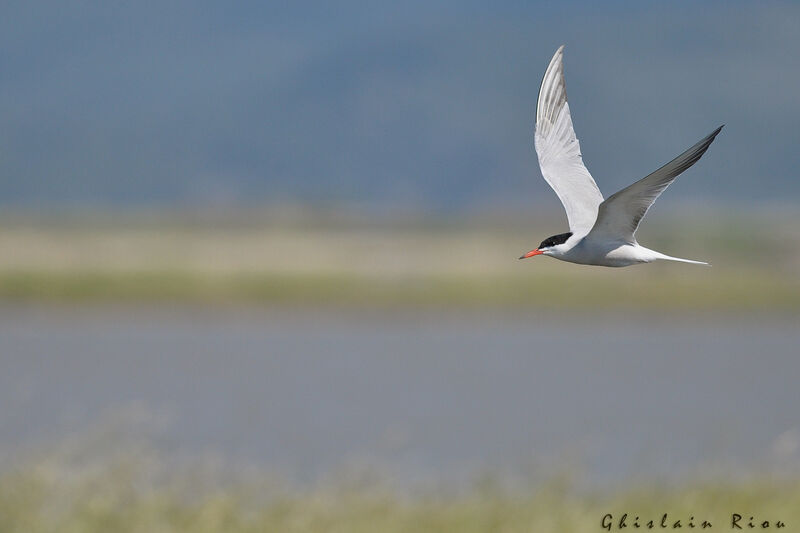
(424, 397)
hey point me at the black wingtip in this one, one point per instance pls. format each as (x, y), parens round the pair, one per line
(710, 138)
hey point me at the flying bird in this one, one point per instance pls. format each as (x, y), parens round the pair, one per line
(601, 232)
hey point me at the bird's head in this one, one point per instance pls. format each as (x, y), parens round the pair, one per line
(550, 246)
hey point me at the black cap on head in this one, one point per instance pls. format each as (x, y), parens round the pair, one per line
(555, 239)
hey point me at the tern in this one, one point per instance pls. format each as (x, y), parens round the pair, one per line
(601, 232)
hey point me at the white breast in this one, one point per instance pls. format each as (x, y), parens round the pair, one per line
(608, 253)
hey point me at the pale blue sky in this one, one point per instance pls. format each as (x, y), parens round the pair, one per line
(386, 103)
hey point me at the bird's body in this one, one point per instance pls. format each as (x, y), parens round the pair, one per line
(602, 232)
(588, 251)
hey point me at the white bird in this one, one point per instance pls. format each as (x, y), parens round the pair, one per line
(601, 232)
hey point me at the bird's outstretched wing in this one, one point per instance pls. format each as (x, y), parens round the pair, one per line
(560, 153)
(619, 216)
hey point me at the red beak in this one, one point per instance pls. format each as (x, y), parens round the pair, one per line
(532, 253)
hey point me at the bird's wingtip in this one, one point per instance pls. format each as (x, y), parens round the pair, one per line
(711, 136)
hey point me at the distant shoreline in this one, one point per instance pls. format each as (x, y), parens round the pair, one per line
(273, 260)
(730, 294)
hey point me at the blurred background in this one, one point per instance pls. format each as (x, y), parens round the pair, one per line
(258, 267)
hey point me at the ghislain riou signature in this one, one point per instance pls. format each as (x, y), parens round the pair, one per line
(736, 521)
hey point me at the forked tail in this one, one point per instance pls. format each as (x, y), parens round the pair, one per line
(659, 255)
